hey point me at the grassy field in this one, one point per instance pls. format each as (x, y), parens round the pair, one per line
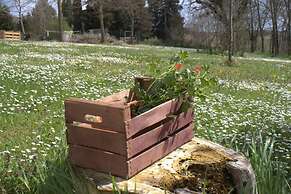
(250, 101)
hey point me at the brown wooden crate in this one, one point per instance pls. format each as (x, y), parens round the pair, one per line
(112, 138)
(157, 134)
(157, 152)
(10, 35)
(87, 136)
(151, 117)
(144, 82)
(98, 160)
(117, 165)
(113, 116)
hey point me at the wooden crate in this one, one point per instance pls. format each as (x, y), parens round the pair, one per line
(103, 136)
(8, 35)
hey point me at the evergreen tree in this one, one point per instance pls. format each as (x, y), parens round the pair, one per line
(138, 17)
(67, 7)
(6, 19)
(166, 18)
(42, 15)
(77, 12)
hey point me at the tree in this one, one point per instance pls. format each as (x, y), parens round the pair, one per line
(166, 18)
(274, 6)
(228, 12)
(98, 6)
(72, 12)
(60, 20)
(67, 9)
(42, 15)
(288, 26)
(76, 15)
(6, 19)
(101, 19)
(136, 11)
(230, 43)
(260, 24)
(20, 6)
(252, 26)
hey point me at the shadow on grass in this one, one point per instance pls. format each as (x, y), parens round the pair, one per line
(60, 177)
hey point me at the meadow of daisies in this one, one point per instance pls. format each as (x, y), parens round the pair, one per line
(249, 109)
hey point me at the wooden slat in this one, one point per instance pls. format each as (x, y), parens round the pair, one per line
(87, 136)
(150, 156)
(98, 160)
(151, 117)
(10, 35)
(117, 98)
(13, 33)
(154, 136)
(112, 116)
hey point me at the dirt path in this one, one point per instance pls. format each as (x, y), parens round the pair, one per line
(264, 59)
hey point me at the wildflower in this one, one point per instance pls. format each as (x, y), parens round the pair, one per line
(6, 152)
(58, 139)
(178, 66)
(197, 69)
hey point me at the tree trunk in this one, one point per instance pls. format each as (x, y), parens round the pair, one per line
(101, 19)
(166, 24)
(252, 33)
(260, 26)
(289, 26)
(132, 28)
(60, 20)
(230, 46)
(275, 36)
(21, 21)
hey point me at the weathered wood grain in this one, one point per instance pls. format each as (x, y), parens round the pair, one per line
(98, 160)
(157, 152)
(151, 117)
(9, 35)
(117, 98)
(113, 116)
(103, 136)
(85, 135)
(149, 138)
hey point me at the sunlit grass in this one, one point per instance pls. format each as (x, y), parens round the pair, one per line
(35, 79)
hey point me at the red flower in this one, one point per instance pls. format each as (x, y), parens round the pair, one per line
(197, 69)
(178, 66)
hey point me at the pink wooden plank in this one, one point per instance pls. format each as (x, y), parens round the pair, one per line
(98, 160)
(117, 98)
(105, 140)
(113, 116)
(151, 117)
(154, 136)
(157, 152)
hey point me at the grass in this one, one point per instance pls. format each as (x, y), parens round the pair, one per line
(270, 175)
(36, 77)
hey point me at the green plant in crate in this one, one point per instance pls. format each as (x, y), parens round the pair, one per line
(178, 82)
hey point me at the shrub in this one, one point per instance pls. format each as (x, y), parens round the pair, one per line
(91, 38)
(153, 41)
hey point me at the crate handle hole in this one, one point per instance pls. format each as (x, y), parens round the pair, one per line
(93, 118)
